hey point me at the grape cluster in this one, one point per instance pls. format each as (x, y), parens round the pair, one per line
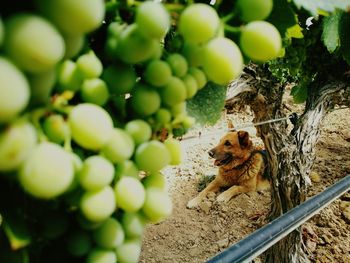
(85, 129)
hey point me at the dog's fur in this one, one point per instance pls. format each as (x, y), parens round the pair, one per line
(241, 168)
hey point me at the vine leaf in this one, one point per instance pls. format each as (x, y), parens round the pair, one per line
(299, 93)
(320, 6)
(331, 34)
(345, 37)
(282, 16)
(208, 103)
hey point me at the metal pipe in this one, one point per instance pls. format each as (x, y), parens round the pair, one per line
(256, 243)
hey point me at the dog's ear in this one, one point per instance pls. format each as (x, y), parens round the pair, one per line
(243, 138)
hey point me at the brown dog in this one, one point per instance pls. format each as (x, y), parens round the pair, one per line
(241, 168)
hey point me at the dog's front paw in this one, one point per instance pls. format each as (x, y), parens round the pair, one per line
(193, 203)
(224, 197)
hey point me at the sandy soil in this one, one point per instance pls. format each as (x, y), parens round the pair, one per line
(197, 235)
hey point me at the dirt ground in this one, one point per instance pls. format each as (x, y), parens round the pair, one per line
(197, 235)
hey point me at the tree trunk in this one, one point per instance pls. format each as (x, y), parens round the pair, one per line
(290, 152)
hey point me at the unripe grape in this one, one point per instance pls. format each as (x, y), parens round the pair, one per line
(69, 77)
(153, 19)
(145, 100)
(119, 78)
(73, 44)
(163, 116)
(127, 168)
(157, 73)
(174, 92)
(1, 32)
(94, 91)
(156, 180)
(14, 90)
(198, 23)
(16, 144)
(193, 54)
(158, 205)
(191, 85)
(139, 130)
(178, 64)
(89, 65)
(91, 126)
(199, 75)
(130, 194)
(33, 43)
(133, 225)
(41, 86)
(98, 205)
(152, 156)
(110, 234)
(174, 148)
(99, 255)
(222, 61)
(74, 17)
(261, 41)
(129, 251)
(119, 147)
(48, 172)
(251, 10)
(56, 128)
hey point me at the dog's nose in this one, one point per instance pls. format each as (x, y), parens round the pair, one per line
(211, 153)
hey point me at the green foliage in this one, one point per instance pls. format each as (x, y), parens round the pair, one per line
(208, 103)
(330, 35)
(282, 16)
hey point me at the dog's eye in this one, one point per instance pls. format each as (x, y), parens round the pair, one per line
(227, 143)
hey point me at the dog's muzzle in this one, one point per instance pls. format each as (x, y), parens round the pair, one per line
(222, 159)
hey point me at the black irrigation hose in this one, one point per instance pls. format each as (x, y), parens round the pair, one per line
(256, 243)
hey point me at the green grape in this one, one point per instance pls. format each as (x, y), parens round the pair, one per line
(163, 116)
(152, 156)
(16, 144)
(191, 85)
(96, 173)
(14, 90)
(139, 130)
(179, 109)
(145, 100)
(33, 43)
(251, 10)
(69, 77)
(129, 251)
(1, 32)
(260, 41)
(174, 92)
(156, 180)
(98, 255)
(157, 73)
(78, 242)
(198, 23)
(134, 47)
(94, 91)
(41, 85)
(77, 165)
(130, 194)
(110, 234)
(86, 224)
(119, 78)
(222, 61)
(199, 75)
(178, 64)
(127, 168)
(74, 17)
(48, 171)
(91, 126)
(158, 205)
(153, 19)
(89, 65)
(188, 122)
(98, 205)
(133, 225)
(56, 128)
(119, 147)
(174, 148)
(193, 54)
(73, 44)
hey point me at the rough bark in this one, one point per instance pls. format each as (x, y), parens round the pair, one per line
(291, 152)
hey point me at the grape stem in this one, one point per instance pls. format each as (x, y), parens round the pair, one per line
(232, 29)
(36, 115)
(228, 17)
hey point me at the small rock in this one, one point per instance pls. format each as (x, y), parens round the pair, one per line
(216, 228)
(315, 177)
(223, 243)
(205, 206)
(346, 214)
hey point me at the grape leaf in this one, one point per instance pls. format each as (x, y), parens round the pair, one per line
(208, 104)
(315, 7)
(282, 16)
(299, 93)
(345, 37)
(330, 34)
